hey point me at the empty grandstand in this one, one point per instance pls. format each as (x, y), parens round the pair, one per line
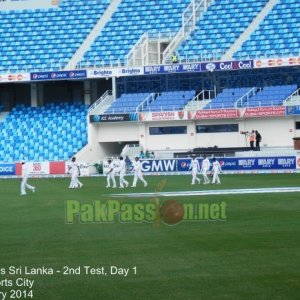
(86, 45)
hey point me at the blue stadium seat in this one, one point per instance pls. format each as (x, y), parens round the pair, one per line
(43, 141)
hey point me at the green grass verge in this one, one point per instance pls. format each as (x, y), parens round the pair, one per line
(253, 254)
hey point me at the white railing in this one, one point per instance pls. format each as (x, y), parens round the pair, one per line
(99, 101)
(146, 102)
(190, 16)
(241, 101)
(203, 97)
(140, 54)
(130, 150)
(295, 97)
(132, 53)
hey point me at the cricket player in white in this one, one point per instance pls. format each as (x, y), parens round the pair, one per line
(110, 174)
(24, 184)
(216, 167)
(75, 172)
(205, 168)
(195, 167)
(138, 173)
(122, 170)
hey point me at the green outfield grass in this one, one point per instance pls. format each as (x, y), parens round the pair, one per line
(253, 254)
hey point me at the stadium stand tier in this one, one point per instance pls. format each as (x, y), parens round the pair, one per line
(270, 95)
(174, 100)
(227, 98)
(34, 40)
(164, 101)
(46, 39)
(129, 22)
(127, 103)
(252, 97)
(51, 132)
(277, 35)
(220, 26)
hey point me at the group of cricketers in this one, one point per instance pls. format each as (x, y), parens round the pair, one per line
(112, 170)
(205, 168)
(121, 169)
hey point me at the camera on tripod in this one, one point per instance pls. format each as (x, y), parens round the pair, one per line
(244, 132)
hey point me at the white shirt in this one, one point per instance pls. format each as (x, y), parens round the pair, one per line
(205, 164)
(74, 169)
(122, 167)
(216, 167)
(25, 170)
(111, 167)
(194, 165)
(137, 166)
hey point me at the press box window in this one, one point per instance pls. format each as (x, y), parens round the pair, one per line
(167, 130)
(217, 128)
(297, 125)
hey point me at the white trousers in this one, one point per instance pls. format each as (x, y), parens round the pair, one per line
(216, 178)
(122, 180)
(111, 177)
(75, 183)
(204, 174)
(25, 185)
(194, 177)
(139, 176)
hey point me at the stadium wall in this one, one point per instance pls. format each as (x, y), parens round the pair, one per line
(275, 131)
(230, 165)
(112, 132)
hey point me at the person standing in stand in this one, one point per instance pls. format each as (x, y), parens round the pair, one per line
(257, 140)
(252, 139)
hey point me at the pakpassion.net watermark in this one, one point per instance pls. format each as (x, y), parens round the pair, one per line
(169, 212)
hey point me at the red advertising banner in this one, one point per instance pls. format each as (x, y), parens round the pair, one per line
(163, 116)
(34, 168)
(57, 167)
(14, 77)
(276, 62)
(272, 111)
(230, 113)
(213, 114)
(18, 169)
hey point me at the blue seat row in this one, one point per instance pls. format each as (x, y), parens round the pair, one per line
(266, 96)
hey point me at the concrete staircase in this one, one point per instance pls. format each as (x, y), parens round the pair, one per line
(102, 103)
(201, 100)
(190, 16)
